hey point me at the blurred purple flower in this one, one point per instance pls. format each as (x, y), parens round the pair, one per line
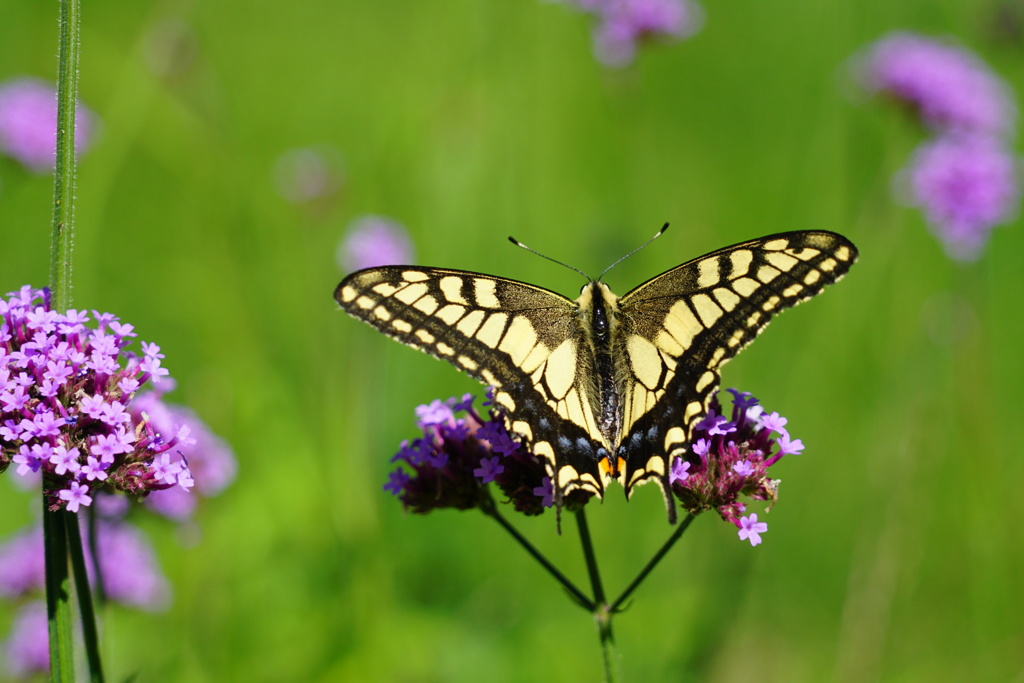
(949, 86)
(966, 185)
(374, 241)
(28, 123)
(131, 575)
(22, 564)
(624, 23)
(27, 650)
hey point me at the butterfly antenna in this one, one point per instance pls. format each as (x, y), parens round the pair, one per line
(516, 242)
(656, 236)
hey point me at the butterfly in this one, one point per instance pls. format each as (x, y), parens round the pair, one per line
(602, 387)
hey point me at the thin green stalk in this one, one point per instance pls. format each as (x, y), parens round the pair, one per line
(58, 594)
(89, 633)
(491, 510)
(64, 178)
(652, 563)
(602, 615)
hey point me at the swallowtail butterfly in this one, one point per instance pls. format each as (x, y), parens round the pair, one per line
(601, 387)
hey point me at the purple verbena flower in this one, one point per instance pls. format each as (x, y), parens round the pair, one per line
(773, 422)
(28, 123)
(948, 85)
(966, 185)
(64, 411)
(436, 412)
(787, 447)
(743, 468)
(374, 241)
(396, 481)
(679, 470)
(75, 495)
(546, 492)
(459, 453)
(489, 469)
(751, 529)
(727, 463)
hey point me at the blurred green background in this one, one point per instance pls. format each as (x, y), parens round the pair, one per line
(895, 552)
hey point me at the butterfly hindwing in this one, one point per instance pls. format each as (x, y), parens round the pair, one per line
(525, 341)
(680, 327)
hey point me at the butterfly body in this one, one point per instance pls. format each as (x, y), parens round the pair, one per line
(601, 387)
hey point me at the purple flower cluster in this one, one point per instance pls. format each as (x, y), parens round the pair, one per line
(460, 452)
(622, 24)
(65, 392)
(730, 458)
(374, 241)
(450, 465)
(965, 180)
(28, 123)
(948, 86)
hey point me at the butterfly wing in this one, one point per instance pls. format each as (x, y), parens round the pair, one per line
(679, 328)
(525, 341)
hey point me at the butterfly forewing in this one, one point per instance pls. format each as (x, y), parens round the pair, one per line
(693, 319)
(525, 341)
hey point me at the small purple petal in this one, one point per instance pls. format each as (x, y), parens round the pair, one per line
(489, 469)
(787, 447)
(773, 422)
(743, 468)
(545, 492)
(679, 471)
(397, 480)
(751, 529)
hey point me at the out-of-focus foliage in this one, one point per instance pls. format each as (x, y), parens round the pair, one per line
(895, 551)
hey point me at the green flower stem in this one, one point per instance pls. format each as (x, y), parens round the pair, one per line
(89, 633)
(58, 594)
(488, 507)
(652, 563)
(602, 615)
(64, 178)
